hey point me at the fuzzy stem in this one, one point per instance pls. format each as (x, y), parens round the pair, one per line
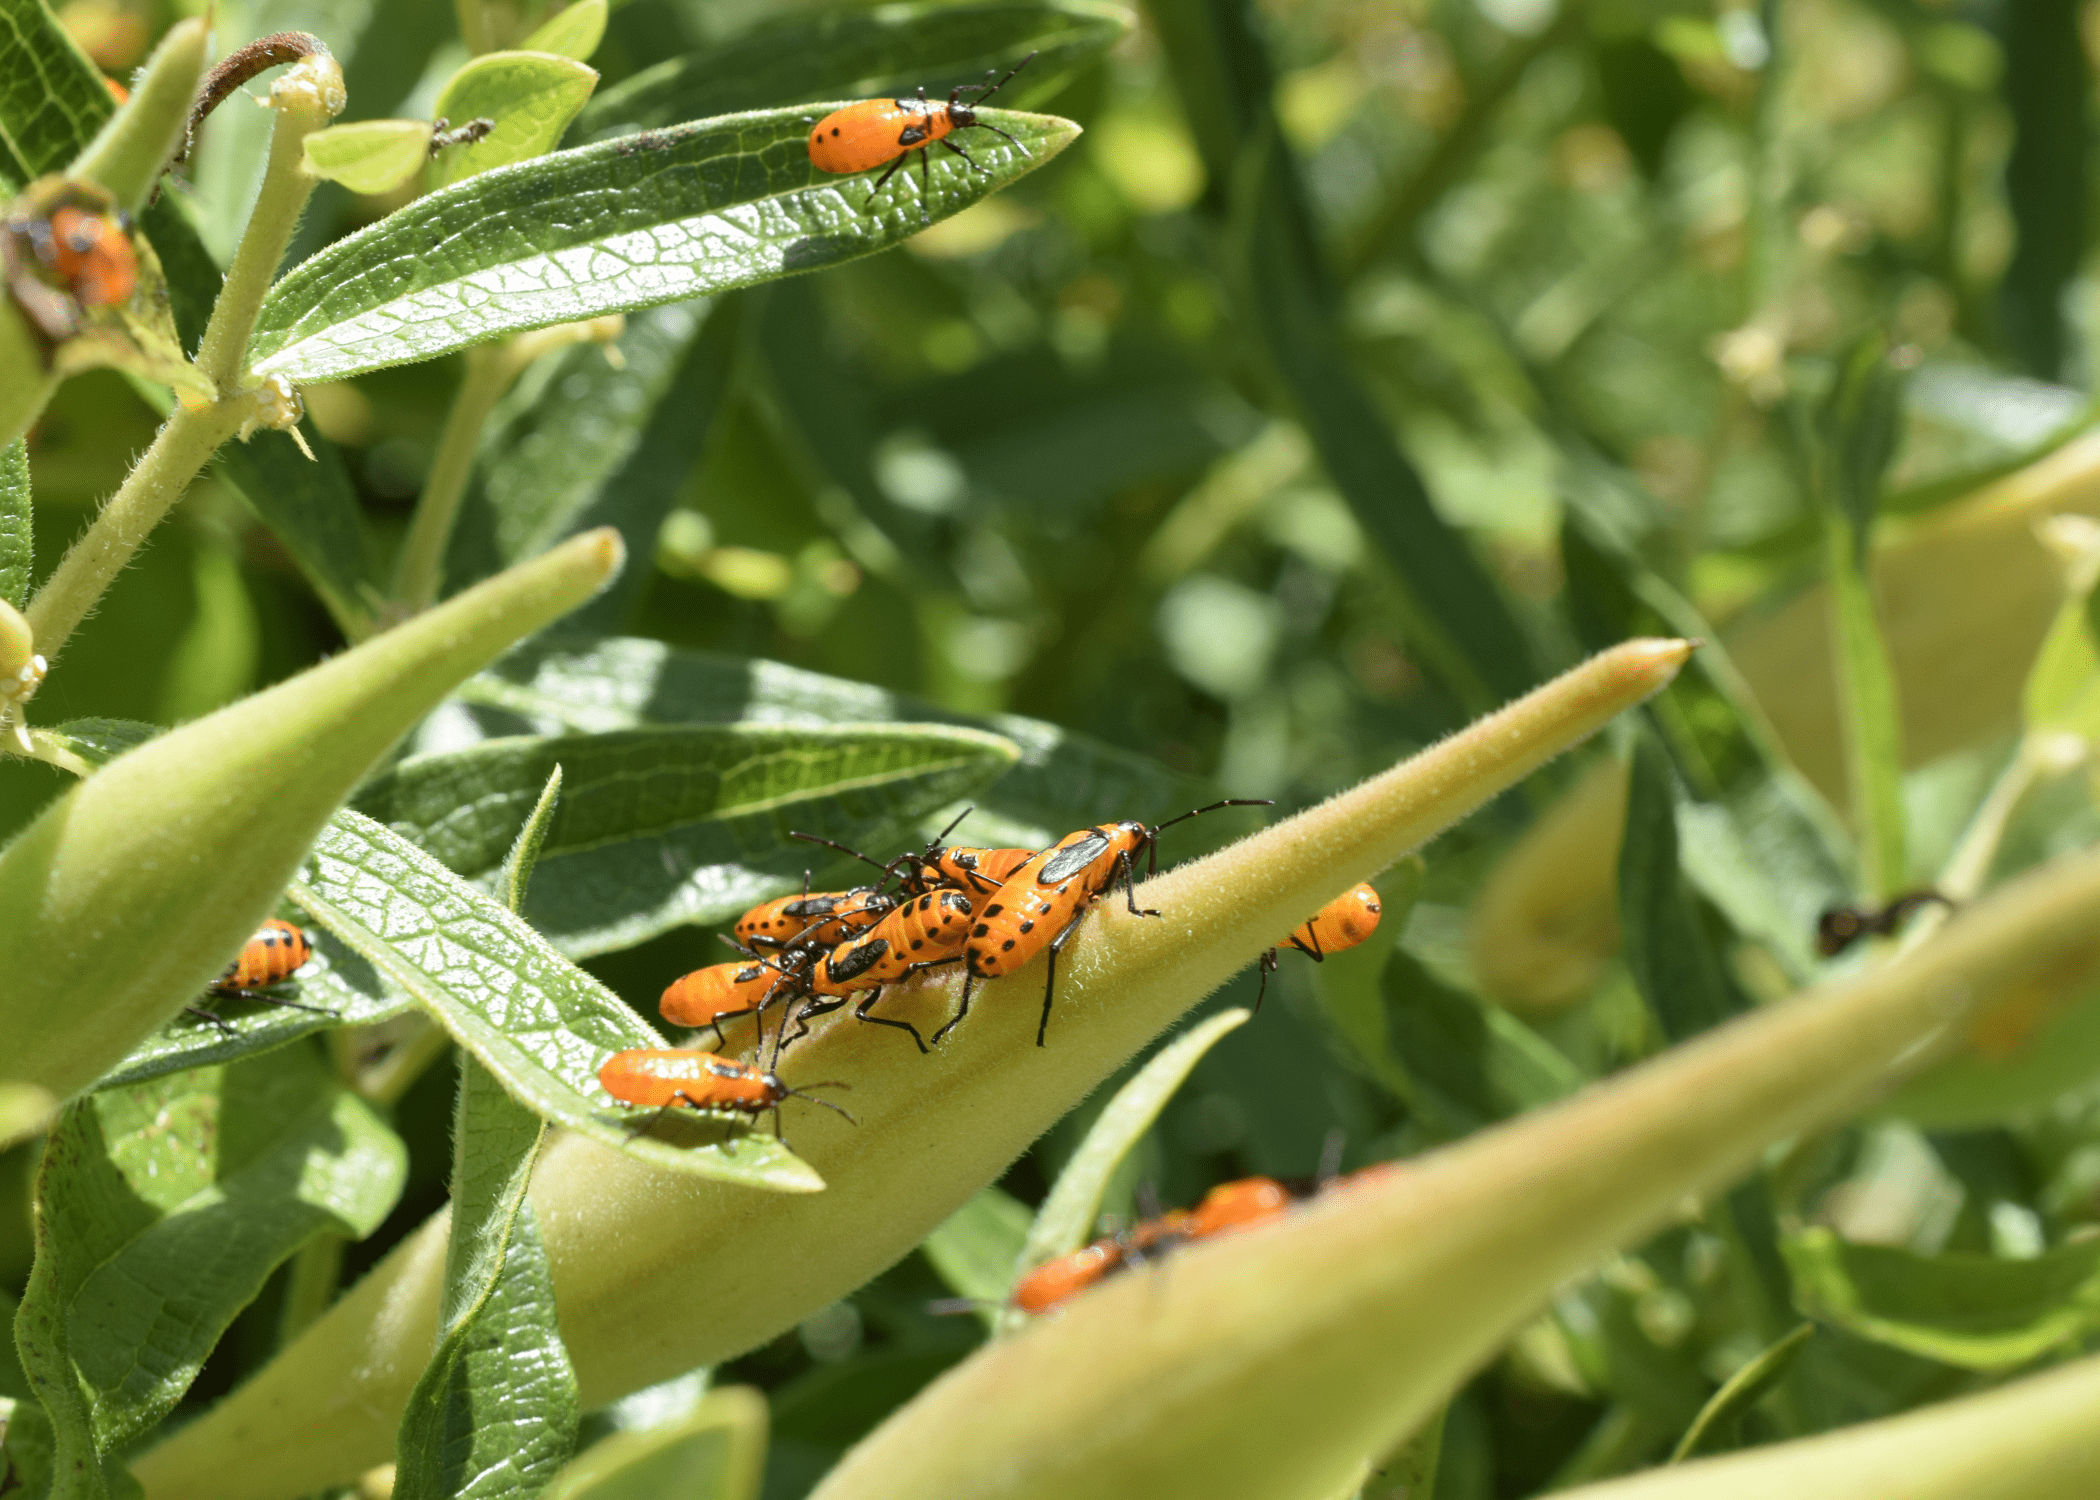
(189, 437)
(286, 186)
(25, 386)
(421, 572)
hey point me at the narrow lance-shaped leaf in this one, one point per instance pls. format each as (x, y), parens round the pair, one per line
(857, 54)
(1672, 963)
(605, 444)
(525, 851)
(627, 1240)
(715, 1452)
(162, 1208)
(632, 223)
(1980, 1312)
(534, 1019)
(494, 1415)
(1066, 1219)
(99, 897)
(1742, 1390)
(1063, 781)
(664, 826)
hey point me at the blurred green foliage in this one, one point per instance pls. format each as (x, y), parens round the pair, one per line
(1365, 361)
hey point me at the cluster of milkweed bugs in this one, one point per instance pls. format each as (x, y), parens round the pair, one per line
(991, 910)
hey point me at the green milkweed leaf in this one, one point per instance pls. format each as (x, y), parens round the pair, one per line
(495, 1413)
(529, 98)
(534, 1019)
(1066, 1219)
(369, 156)
(52, 101)
(573, 31)
(525, 850)
(715, 1452)
(850, 54)
(1062, 781)
(603, 445)
(1980, 1312)
(636, 222)
(17, 536)
(665, 826)
(1468, 1063)
(1741, 1391)
(975, 1248)
(162, 1209)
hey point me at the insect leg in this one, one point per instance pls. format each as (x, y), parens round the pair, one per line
(995, 130)
(1268, 967)
(860, 1013)
(214, 1017)
(1130, 887)
(961, 1010)
(925, 183)
(888, 173)
(966, 156)
(1050, 983)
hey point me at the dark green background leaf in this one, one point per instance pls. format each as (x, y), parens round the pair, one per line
(659, 827)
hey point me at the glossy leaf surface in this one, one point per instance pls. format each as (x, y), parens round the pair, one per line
(630, 223)
(536, 1021)
(688, 824)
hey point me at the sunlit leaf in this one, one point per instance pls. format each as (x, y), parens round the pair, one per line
(369, 156)
(659, 827)
(494, 1414)
(529, 98)
(573, 31)
(1066, 1219)
(631, 223)
(1742, 1390)
(536, 1021)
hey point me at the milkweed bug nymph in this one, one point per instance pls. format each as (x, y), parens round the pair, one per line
(823, 920)
(707, 997)
(1842, 926)
(865, 135)
(1339, 925)
(665, 1078)
(276, 952)
(926, 931)
(1041, 904)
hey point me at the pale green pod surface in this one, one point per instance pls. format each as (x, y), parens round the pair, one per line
(130, 152)
(130, 893)
(1273, 1361)
(628, 1244)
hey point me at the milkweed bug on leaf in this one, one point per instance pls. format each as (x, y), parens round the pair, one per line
(276, 952)
(664, 1078)
(874, 131)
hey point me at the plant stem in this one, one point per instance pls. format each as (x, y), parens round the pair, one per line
(157, 480)
(25, 385)
(316, 1271)
(385, 1081)
(285, 189)
(421, 572)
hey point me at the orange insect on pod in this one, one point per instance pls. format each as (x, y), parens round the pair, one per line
(822, 920)
(93, 253)
(676, 1077)
(924, 932)
(276, 952)
(1235, 1205)
(1336, 927)
(1040, 905)
(1057, 1281)
(971, 869)
(718, 993)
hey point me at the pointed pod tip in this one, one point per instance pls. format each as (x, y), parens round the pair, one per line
(1658, 657)
(601, 551)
